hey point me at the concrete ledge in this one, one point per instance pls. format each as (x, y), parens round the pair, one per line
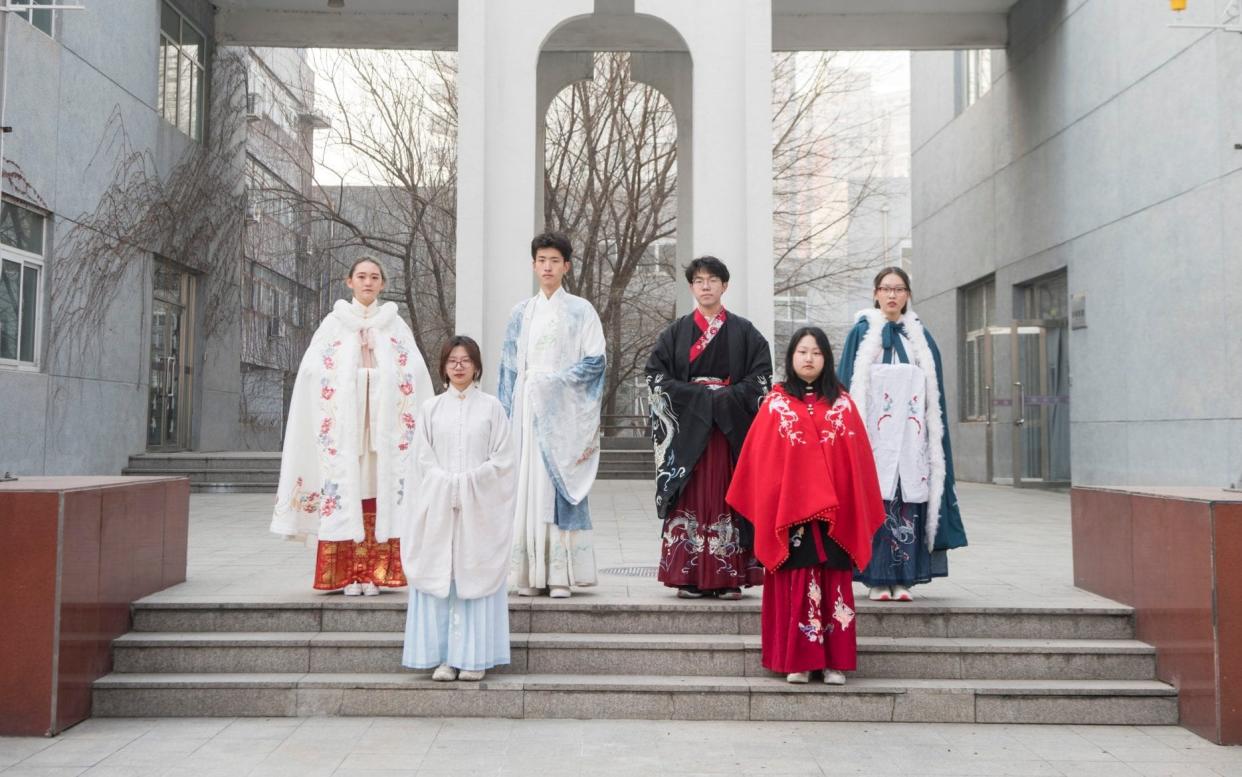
(649, 697)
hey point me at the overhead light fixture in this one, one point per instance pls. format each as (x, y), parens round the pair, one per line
(336, 3)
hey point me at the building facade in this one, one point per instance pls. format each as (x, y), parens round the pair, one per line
(124, 283)
(1076, 229)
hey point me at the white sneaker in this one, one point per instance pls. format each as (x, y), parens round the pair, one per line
(559, 592)
(370, 589)
(353, 589)
(798, 677)
(529, 591)
(444, 674)
(880, 594)
(471, 675)
(902, 594)
(833, 677)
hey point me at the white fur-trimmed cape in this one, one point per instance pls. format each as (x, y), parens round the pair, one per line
(320, 471)
(871, 351)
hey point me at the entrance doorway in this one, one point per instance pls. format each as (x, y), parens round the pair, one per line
(170, 383)
(1040, 398)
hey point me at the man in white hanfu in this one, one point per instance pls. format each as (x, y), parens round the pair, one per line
(551, 383)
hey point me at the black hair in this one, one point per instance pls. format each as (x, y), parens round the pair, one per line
(826, 385)
(708, 264)
(472, 350)
(905, 278)
(370, 259)
(552, 240)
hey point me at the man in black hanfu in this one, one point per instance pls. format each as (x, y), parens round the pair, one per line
(707, 375)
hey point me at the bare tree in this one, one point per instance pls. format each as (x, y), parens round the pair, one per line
(386, 175)
(610, 182)
(826, 158)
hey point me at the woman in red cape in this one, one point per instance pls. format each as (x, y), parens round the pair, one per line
(806, 479)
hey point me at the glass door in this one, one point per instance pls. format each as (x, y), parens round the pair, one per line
(1039, 403)
(169, 392)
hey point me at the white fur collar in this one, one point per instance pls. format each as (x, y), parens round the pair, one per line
(379, 316)
(871, 351)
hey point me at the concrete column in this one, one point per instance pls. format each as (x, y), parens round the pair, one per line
(498, 51)
(730, 44)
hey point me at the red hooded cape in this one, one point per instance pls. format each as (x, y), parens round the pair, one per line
(803, 464)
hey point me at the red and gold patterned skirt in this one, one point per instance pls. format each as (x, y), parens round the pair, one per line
(337, 564)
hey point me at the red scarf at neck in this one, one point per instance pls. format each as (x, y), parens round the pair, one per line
(709, 329)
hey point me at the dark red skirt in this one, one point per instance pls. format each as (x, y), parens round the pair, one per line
(702, 545)
(337, 564)
(807, 620)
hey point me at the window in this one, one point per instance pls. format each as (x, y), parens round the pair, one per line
(21, 269)
(42, 20)
(183, 52)
(974, 76)
(791, 307)
(978, 313)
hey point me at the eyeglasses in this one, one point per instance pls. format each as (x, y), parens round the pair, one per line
(459, 362)
(706, 282)
(891, 291)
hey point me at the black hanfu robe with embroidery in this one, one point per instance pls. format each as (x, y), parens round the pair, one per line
(705, 390)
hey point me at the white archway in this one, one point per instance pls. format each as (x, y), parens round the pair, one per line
(723, 100)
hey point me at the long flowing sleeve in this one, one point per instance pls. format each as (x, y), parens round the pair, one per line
(681, 420)
(567, 406)
(462, 528)
(485, 495)
(734, 407)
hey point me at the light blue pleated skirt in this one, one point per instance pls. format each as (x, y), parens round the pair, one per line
(469, 634)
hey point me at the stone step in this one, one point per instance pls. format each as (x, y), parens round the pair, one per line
(1115, 702)
(233, 488)
(635, 616)
(643, 475)
(208, 476)
(639, 654)
(195, 460)
(625, 443)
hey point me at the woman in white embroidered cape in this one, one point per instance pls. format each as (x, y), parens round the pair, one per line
(456, 551)
(891, 366)
(348, 470)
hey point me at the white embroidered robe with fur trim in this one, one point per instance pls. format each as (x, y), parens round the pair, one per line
(350, 434)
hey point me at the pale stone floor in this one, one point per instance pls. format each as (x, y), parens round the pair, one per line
(1019, 555)
(1019, 552)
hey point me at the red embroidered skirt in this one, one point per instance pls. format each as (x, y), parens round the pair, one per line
(807, 620)
(337, 564)
(701, 545)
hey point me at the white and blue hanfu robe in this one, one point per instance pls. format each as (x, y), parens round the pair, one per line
(455, 550)
(551, 385)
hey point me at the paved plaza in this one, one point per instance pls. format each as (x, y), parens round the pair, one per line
(391, 747)
(1019, 550)
(1019, 555)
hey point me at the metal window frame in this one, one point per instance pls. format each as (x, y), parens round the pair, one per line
(198, 87)
(37, 261)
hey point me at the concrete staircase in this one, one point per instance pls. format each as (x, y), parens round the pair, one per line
(625, 659)
(626, 458)
(621, 458)
(237, 472)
